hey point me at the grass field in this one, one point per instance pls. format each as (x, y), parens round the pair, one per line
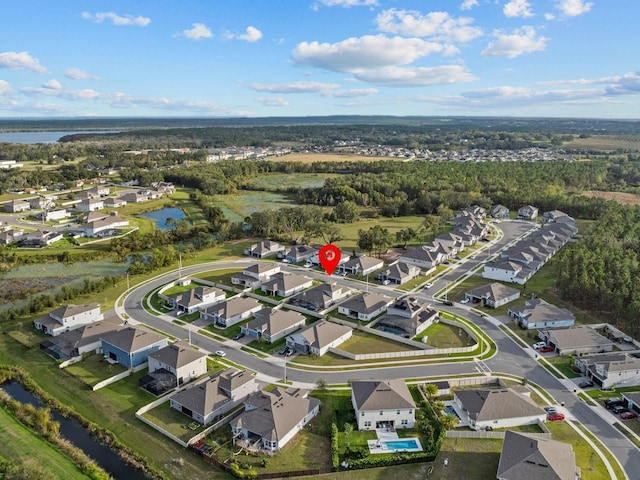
(363, 342)
(605, 142)
(620, 197)
(236, 207)
(21, 445)
(279, 181)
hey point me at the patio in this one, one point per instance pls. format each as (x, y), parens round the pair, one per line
(451, 408)
(389, 442)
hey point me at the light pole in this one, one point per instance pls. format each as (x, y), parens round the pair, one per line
(285, 370)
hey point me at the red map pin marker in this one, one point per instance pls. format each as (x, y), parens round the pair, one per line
(329, 257)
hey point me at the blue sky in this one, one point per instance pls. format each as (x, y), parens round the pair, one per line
(219, 58)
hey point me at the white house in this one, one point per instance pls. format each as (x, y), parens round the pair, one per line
(90, 205)
(493, 295)
(231, 311)
(264, 249)
(536, 314)
(423, 257)
(255, 274)
(180, 359)
(507, 271)
(527, 212)
(67, 318)
(362, 265)
(399, 272)
(382, 404)
(365, 306)
(197, 298)
(318, 337)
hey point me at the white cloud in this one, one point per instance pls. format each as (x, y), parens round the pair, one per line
(272, 102)
(370, 51)
(198, 31)
(415, 76)
(77, 74)
(573, 8)
(518, 8)
(439, 25)
(20, 61)
(331, 90)
(549, 16)
(345, 3)
(52, 84)
(468, 4)
(116, 19)
(251, 35)
(5, 88)
(518, 42)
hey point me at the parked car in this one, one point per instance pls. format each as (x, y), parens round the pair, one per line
(283, 350)
(546, 349)
(628, 415)
(466, 300)
(618, 409)
(552, 417)
(613, 402)
(551, 409)
(428, 285)
(538, 345)
(586, 384)
(447, 303)
(239, 336)
(386, 282)
(220, 353)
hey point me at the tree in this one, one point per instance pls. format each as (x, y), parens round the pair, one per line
(438, 406)
(346, 212)
(449, 421)
(405, 235)
(430, 390)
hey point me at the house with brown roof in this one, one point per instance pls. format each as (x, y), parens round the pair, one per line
(231, 311)
(493, 295)
(537, 314)
(273, 324)
(179, 359)
(285, 284)
(67, 318)
(382, 404)
(365, 306)
(130, 346)
(319, 337)
(525, 457)
(206, 401)
(498, 408)
(271, 419)
(576, 340)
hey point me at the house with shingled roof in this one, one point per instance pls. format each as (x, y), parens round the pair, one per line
(255, 274)
(493, 295)
(180, 359)
(273, 324)
(264, 249)
(67, 318)
(285, 284)
(382, 404)
(365, 306)
(130, 346)
(319, 337)
(537, 314)
(231, 311)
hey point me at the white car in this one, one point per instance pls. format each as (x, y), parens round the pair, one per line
(386, 282)
(220, 353)
(538, 345)
(466, 300)
(428, 285)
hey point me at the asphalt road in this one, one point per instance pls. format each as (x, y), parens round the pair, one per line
(510, 357)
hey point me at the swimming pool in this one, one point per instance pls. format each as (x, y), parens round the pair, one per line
(451, 411)
(408, 444)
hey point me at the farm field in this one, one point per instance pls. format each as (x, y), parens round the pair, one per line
(605, 142)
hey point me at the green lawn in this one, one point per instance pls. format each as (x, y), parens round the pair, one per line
(442, 335)
(22, 445)
(173, 421)
(94, 369)
(238, 206)
(222, 275)
(364, 342)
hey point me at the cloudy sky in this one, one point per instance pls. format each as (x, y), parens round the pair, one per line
(575, 58)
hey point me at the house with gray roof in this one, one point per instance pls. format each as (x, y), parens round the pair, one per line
(537, 313)
(576, 340)
(493, 295)
(271, 419)
(365, 306)
(362, 265)
(273, 324)
(17, 206)
(451, 240)
(633, 401)
(67, 318)
(499, 211)
(285, 284)
(299, 253)
(319, 337)
(507, 271)
(255, 274)
(320, 297)
(423, 257)
(623, 371)
(382, 404)
(83, 339)
(130, 346)
(179, 359)
(231, 311)
(527, 212)
(409, 316)
(197, 298)
(553, 216)
(399, 273)
(264, 249)
(528, 457)
(498, 408)
(208, 400)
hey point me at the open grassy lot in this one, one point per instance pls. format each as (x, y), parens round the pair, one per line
(442, 335)
(238, 206)
(94, 369)
(363, 342)
(620, 197)
(605, 142)
(280, 181)
(173, 421)
(23, 446)
(350, 230)
(222, 275)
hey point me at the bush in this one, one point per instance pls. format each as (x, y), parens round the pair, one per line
(335, 457)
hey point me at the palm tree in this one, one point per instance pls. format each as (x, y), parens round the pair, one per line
(438, 406)
(430, 390)
(449, 421)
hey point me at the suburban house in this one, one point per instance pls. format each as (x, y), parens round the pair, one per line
(231, 311)
(362, 265)
(107, 225)
(365, 306)
(40, 238)
(576, 340)
(499, 408)
(179, 359)
(271, 419)
(451, 240)
(264, 249)
(114, 202)
(100, 190)
(67, 318)
(583, 363)
(423, 257)
(320, 297)
(499, 211)
(285, 284)
(315, 259)
(611, 370)
(196, 299)
(54, 215)
(409, 316)
(130, 346)
(134, 197)
(633, 400)
(399, 273)
(208, 400)
(537, 314)
(11, 236)
(40, 202)
(493, 295)
(299, 253)
(84, 339)
(90, 205)
(507, 271)
(530, 457)
(554, 216)
(255, 274)
(475, 211)
(273, 324)
(527, 212)
(17, 206)
(318, 337)
(382, 404)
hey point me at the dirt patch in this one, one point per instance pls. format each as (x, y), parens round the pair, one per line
(620, 197)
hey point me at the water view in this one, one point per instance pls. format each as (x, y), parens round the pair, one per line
(37, 137)
(161, 216)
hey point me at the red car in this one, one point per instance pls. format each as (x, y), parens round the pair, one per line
(628, 415)
(546, 349)
(552, 417)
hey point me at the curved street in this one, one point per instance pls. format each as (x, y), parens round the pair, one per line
(510, 358)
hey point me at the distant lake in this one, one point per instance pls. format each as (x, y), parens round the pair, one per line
(40, 137)
(160, 216)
